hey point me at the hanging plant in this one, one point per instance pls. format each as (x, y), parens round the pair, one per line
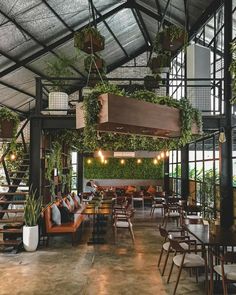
(160, 63)
(9, 122)
(94, 63)
(233, 71)
(89, 40)
(111, 141)
(152, 82)
(170, 39)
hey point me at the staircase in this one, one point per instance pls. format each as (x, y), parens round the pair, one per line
(13, 191)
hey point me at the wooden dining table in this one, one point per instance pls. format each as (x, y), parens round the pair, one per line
(216, 241)
(98, 214)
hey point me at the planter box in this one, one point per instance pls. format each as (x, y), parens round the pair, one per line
(128, 115)
(6, 129)
(97, 44)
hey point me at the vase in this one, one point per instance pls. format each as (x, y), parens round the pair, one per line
(30, 237)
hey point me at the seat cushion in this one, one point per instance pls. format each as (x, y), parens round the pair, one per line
(191, 260)
(56, 215)
(167, 245)
(124, 224)
(229, 269)
(172, 214)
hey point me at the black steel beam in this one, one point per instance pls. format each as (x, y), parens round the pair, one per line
(209, 11)
(184, 173)
(111, 32)
(20, 28)
(57, 16)
(226, 173)
(17, 89)
(158, 7)
(166, 176)
(57, 122)
(139, 19)
(80, 174)
(59, 42)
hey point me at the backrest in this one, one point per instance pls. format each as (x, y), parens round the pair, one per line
(163, 232)
(175, 244)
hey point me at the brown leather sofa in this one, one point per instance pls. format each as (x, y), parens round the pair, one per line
(64, 228)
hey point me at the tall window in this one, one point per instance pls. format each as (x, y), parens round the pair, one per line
(175, 171)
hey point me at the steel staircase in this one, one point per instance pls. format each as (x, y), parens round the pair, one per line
(12, 198)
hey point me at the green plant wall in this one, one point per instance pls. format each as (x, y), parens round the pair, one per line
(115, 170)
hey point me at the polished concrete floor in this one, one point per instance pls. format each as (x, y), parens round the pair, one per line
(109, 269)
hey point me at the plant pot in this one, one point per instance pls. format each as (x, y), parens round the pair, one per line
(58, 101)
(30, 237)
(97, 63)
(7, 129)
(150, 83)
(160, 64)
(91, 44)
(169, 44)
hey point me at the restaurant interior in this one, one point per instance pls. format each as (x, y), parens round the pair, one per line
(118, 147)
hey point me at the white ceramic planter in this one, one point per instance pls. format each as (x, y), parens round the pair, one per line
(30, 237)
(58, 101)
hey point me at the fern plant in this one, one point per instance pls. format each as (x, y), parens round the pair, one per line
(32, 210)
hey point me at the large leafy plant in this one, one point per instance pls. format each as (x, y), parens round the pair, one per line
(8, 115)
(60, 68)
(233, 71)
(32, 209)
(92, 32)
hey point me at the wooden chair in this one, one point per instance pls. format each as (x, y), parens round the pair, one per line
(187, 258)
(172, 212)
(157, 203)
(226, 269)
(166, 244)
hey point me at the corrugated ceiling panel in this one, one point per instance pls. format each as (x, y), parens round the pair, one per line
(151, 25)
(22, 79)
(127, 31)
(13, 41)
(5, 62)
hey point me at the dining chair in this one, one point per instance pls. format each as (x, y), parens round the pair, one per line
(138, 197)
(226, 269)
(122, 220)
(187, 258)
(157, 203)
(166, 244)
(173, 213)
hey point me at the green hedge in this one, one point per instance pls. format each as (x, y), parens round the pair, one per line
(115, 170)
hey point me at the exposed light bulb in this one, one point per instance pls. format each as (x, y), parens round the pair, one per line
(167, 153)
(222, 137)
(122, 161)
(158, 157)
(139, 161)
(89, 161)
(162, 155)
(105, 161)
(100, 153)
(155, 161)
(12, 157)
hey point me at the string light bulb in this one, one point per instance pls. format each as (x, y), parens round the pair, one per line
(158, 157)
(105, 161)
(167, 153)
(100, 153)
(89, 161)
(122, 161)
(162, 155)
(139, 161)
(12, 157)
(155, 162)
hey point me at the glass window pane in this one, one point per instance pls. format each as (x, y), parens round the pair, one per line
(199, 171)
(191, 171)
(208, 149)
(74, 157)
(234, 172)
(199, 155)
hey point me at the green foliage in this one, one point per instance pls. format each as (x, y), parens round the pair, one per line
(90, 140)
(115, 170)
(8, 115)
(60, 68)
(208, 193)
(91, 60)
(79, 37)
(32, 209)
(233, 71)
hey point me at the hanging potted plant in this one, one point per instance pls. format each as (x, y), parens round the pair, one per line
(9, 122)
(58, 98)
(95, 63)
(152, 82)
(170, 39)
(89, 40)
(233, 71)
(160, 63)
(32, 211)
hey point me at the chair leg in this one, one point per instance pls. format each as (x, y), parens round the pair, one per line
(172, 265)
(177, 282)
(151, 212)
(197, 275)
(164, 267)
(224, 286)
(115, 233)
(159, 260)
(132, 233)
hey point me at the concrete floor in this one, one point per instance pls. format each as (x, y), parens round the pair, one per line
(109, 269)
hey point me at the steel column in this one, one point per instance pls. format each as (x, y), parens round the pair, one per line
(184, 173)
(226, 191)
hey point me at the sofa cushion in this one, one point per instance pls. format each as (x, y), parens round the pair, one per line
(66, 215)
(72, 204)
(56, 215)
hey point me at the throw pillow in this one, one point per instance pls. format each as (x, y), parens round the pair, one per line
(72, 204)
(56, 215)
(66, 215)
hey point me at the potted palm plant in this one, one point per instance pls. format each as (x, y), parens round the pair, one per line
(58, 98)
(89, 40)
(32, 211)
(9, 122)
